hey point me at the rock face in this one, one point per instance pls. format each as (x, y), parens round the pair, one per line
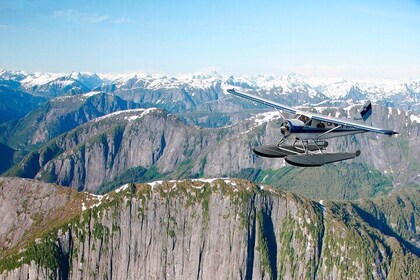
(28, 206)
(218, 229)
(142, 145)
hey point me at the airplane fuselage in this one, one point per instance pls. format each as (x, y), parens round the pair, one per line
(312, 129)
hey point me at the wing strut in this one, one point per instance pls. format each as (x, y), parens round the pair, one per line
(328, 131)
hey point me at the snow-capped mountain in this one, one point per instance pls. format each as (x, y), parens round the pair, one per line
(161, 81)
(200, 88)
(400, 93)
(51, 85)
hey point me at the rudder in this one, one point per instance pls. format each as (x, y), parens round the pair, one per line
(366, 111)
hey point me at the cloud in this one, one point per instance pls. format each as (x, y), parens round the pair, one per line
(73, 15)
(3, 26)
(122, 20)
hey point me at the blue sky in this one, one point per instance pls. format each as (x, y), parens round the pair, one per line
(352, 39)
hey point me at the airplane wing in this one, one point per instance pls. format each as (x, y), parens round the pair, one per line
(264, 101)
(313, 116)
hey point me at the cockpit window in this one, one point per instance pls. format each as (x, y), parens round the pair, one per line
(303, 118)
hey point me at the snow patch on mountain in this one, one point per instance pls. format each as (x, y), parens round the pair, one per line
(265, 117)
(122, 188)
(414, 118)
(38, 79)
(134, 114)
(92, 93)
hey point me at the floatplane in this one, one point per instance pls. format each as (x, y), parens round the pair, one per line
(303, 141)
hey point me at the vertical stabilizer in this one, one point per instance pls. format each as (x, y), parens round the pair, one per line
(365, 112)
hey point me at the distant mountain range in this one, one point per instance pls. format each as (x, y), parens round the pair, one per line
(187, 91)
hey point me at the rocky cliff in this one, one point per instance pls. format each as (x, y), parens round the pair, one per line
(207, 229)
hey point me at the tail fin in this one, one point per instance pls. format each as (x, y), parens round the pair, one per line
(365, 112)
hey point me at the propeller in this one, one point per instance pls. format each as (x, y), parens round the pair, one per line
(285, 129)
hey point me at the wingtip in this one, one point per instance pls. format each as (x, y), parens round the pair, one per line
(391, 132)
(231, 90)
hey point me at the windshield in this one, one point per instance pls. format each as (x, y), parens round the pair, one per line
(303, 118)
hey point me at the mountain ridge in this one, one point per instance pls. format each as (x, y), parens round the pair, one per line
(178, 229)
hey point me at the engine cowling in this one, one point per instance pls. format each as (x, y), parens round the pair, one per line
(290, 126)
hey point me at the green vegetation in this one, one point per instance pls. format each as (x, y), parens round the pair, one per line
(287, 253)
(99, 230)
(45, 253)
(49, 176)
(359, 241)
(395, 215)
(334, 181)
(26, 170)
(407, 153)
(19, 133)
(216, 119)
(262, 247)
(134, 174)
